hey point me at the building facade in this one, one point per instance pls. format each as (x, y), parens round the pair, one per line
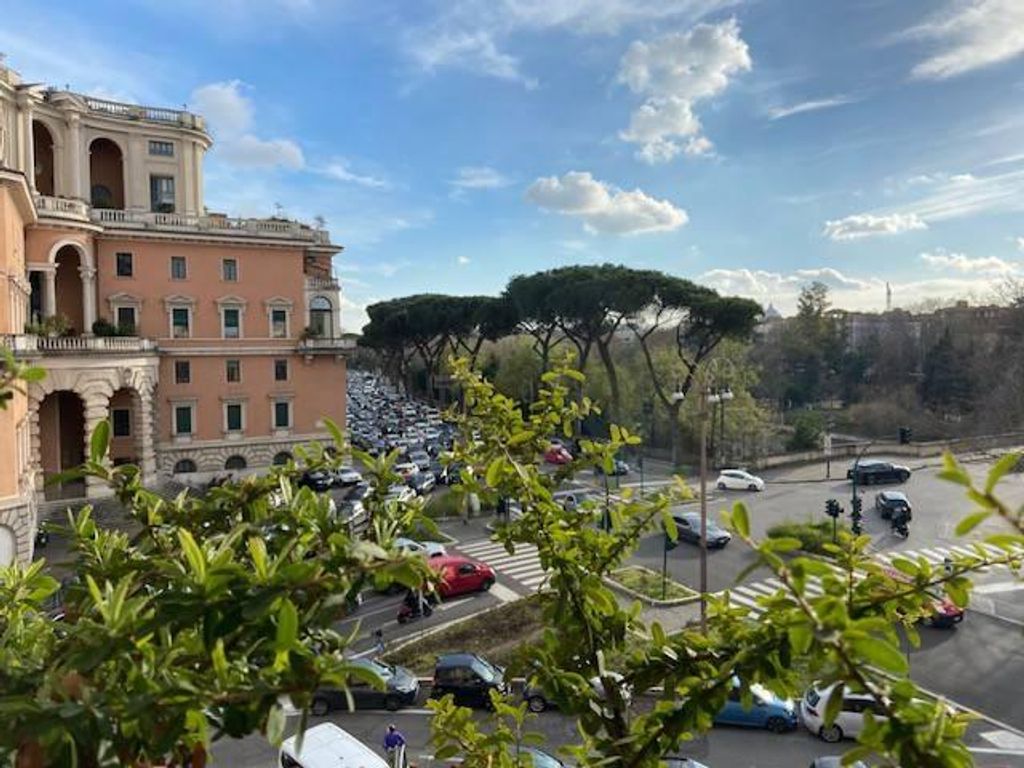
(212, 344)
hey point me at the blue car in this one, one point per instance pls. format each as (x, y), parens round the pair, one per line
(766, 710)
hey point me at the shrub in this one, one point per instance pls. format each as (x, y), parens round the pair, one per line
(807, 428)
(812, 536)
(445, 504)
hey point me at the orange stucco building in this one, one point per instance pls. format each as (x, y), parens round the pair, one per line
(211, 343)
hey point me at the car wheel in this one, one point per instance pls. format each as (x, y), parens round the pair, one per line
(536, 704)
(777, 725)
(721, 486)
(320, 706)
(904, 476)
(752, 487)
(831, 734)
(488, 583)
(392, 703)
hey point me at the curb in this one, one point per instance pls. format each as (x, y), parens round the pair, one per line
(429, 632)
(650, 601)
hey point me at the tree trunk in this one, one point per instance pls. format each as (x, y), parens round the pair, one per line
(677, 434)
(614, 412)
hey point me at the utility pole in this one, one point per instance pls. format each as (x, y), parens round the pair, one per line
(703, 507)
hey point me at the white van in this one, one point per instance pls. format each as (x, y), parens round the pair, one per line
(328, 746)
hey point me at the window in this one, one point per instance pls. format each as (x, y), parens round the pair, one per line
(233, 417)
(235, 462)
(126, 320)
(179, 269)
(229, 270)
(282, 458)
(280, 370)
(279, 323)
(282, 414)
(232, 322)
(320, 316)
(124, 264)
(180, 322)
(161, 194)
(233, 371)
(183, 419)
(182, 372)
(184, 466)
(161, 148)
(121, 422)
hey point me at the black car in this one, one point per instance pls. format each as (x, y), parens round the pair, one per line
(889, 502)
(469, 678)
(400, 689)
(316, 479)
(421, 482)
(688, 529)
(873, 471)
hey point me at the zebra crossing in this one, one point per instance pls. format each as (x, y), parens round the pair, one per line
(749, 594)
(523, 567)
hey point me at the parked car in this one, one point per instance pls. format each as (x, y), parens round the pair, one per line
(537, 701)
(835, 761)
(888, 502)
(688, 529)
(354, 514)
(539, 758)
(421, 459)
(460, 575)
(469, 678)
(619, 468)
(318, 480)
(872, 471)
(945, 613)
(346, 476)
(400, 688)
(766, 711)
(848, 723)
(406, 469)
(738, 480)
(425, 548)
(558, 455)
(400, 493)
(327, 746)
(421, 482)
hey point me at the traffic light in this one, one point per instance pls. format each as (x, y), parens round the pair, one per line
(858, 505)
(905, 435)
(832, 508)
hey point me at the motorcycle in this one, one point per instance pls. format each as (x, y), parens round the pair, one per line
(900, 527)
(413, 608)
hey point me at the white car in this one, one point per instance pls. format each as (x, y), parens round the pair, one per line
(848, 723)
(400, 493)
(738, 479)
(427, 548)
(348, 476)
(327, 746)
(406, 468)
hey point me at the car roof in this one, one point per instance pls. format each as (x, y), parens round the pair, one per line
(328, 746)
(443, 560)
(457, 659)
(897, 495)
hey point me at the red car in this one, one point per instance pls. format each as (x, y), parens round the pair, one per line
(946, 612)
(557, 454)
(461, 574)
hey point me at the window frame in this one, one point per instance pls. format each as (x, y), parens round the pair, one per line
(154, 188)
(287, 369)
(287, 323)
(156, 146)
(227, 370)
(177, 405)
(188, 319)
(187, 367)
(135, 317)
(227, 406)
(113, 422)
(223, 269)
(174, 260)
(131, 264)
(224, 321)
(274, 403)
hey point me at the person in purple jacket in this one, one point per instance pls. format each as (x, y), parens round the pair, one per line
(393, 740)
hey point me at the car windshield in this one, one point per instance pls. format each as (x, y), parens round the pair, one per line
(384, 671)
(540, 759)
(485, 670)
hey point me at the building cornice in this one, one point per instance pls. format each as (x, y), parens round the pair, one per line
(16, 181)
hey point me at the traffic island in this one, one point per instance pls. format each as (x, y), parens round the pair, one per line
(812, 536)
(645, 585)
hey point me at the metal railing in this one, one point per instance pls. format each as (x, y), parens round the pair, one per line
(137, 112)
(326, 344)
(28, 344)
(271, 228)
(318, 283)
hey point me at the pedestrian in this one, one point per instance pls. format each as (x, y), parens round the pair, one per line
(378, 638)
(947, 565)
(393, 741)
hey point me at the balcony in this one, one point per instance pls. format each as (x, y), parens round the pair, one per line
(61, 208)
(28, 345)
(326, 345)
(280, 229)
(319, 283)
(147, 114)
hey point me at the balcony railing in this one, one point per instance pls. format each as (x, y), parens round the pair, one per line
(28, 344)
(179, 222)
(61, 208)
(327, 345)
(150, 114)
(318, 283)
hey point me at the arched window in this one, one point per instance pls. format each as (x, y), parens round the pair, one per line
(321, 316)
(235, 462)
(102, 197)
(282, 458)
(184, 467)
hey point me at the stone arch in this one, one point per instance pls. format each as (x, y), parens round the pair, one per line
(85, 253)
(106, 173)
(236, 462)
(281, 458)
(184, 467)
(44, 150)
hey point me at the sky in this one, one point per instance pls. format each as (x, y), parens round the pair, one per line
(750, 145)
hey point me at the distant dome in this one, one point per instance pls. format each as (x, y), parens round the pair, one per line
(771, 313)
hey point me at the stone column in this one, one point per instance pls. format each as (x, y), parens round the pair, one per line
(27, 148)
(97, 409)
(88, 297)
(35, 452)
(73, 158)
(50, 292)
(146, 425)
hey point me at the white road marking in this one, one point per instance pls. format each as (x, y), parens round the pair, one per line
(998, 587)
(504, 594)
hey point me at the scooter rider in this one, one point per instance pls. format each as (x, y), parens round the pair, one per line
(900, 520)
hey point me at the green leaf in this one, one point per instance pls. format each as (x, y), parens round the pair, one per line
(276, 722)
(971, 522)
(800, 637)
(958, 591)
(740, 519)
(100, 441)
(336, 434)
(494, 470)
(953, 472)
(834, 704)
(447, 752)
(194, 555)
(1004, 465)
(880, 653)
(219, 661)
(287, 626)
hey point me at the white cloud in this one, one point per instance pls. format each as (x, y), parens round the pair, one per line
(962, 263)
(970, 36)
(863, 225)
(463, 260)
(963, 194)
(604, 208)
(1020, 243)
(675, 72)
(469, 35)
(813, 105)
(479, 177)
(230, 114)
(339, 171)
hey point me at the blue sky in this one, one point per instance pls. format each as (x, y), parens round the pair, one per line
(754, 146)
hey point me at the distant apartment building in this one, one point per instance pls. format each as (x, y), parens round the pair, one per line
(211, 344)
